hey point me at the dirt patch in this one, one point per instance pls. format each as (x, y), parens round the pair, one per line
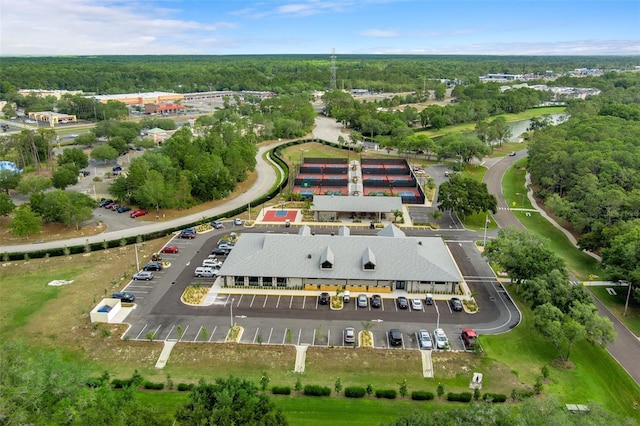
(563, 364)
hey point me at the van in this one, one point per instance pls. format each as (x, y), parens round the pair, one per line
(346, 296)
(205, 272)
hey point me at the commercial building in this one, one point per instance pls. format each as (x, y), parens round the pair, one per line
(141, 98)
(52, 118)
(383, 263)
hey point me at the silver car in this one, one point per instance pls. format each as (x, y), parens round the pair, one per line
(349, 334)
(362, 301)
(143, 275)
(424, 339)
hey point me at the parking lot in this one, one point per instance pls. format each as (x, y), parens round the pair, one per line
(285, 317)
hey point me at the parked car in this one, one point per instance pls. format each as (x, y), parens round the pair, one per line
(205, 272)
(225, 246)
(395, 337)
(428, 300)
(108, 205)
(512, 154)
(324, 299)
(123, 209)
(152, 266)
(402, 302)
(85, 173)
(217, 224)
(221, 251)
(362, 301)
(105, 201)
(346, 296)
(469, 338)
(124, 297)
(143, 275)
(114, 207)
(455, 303)
(416, 304)
(349, 335)
(170, 249)
(214, 263)
(376, 301)
(237, 221)
(440, 338)
(187, 233)
(117, 168)
(138, 213)
(424, 339)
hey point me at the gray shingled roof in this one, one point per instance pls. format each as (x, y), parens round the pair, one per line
(293, 255)
(328, 203)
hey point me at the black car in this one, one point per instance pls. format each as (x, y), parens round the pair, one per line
(123, 209)
(117, 168)
(152, 266)
(402, 302)
(376, 301)
(455, 303)
(124, 297)
(395, 337)
(104, 202)
(220, 251)
(324, 299)
(187, 233)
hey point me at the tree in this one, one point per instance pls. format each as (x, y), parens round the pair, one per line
(25, 222)
(264, 381)
(66, 175)
(86, 139)
(465, 196)
(104, 153)
(561, 329)
(6, 205)
(463, 147)
(403, 388)
(228, 402)
(621, 260)
(74, 156)
(337, 386)
(9, 180)
(33, 183)
(298, 386)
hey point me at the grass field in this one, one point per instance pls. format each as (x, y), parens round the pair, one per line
(616, 305)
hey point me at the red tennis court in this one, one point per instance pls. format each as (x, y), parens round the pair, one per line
(280, 215)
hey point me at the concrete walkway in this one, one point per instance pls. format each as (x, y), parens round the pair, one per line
(164, 355)
(427, 364)
(301, 358)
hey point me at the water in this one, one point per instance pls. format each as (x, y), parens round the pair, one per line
(520, 127)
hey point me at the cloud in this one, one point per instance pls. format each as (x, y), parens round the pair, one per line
(378, 33)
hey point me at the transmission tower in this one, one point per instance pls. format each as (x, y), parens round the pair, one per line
(333, 69)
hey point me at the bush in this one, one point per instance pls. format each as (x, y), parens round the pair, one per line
(386, 393)
(422, 396)
(354, 392)
(316, 390)
(281, 390)
(121, 383)
(462, 397)
(183, 387)
(494, 397)
(153, 386)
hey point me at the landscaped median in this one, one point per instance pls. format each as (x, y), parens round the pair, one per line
(234, 334)
(194, 295)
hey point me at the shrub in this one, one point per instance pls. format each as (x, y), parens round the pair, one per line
(121, 383)
(183, 387)
(153, 386)
(422, 395)
(94, 382)
(281, 390)
(354, 392)
(386, 393)
(462, 397)
(494, 397)
(316, 390)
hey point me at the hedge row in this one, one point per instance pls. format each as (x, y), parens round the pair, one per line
(462, 397)
(422, 395)
(121, 383)
(281, 390)
(386, 393)
(183, 387)
(354, 392)
(315, 390)
(494, 397)
(153, 386)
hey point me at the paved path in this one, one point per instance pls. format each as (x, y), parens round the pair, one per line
(301, 358)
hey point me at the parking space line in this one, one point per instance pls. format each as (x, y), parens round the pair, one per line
(155, 333)
(266, 297)
(255, 336)
(184, 332)
(168, 334)
(278, 302)
(270, 334)
(141, 331)
(252, 299)
(313, 341)
(240, 299)
(300, 334)
(328, 337)
(212, 333)
(227, 300)
(291, 302)
(304, 300)
(195, 339)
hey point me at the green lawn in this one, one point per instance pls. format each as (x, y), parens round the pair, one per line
(596, 377)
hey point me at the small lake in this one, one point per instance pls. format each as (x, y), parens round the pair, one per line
(520, 127)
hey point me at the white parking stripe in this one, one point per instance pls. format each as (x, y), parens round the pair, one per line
(168, 334)
(255, 336)
(300, 334)
(141, 331)
(213, 332)
(265, 301)
(278, 302)
(195, 339)
(291, 302)
(252, 299)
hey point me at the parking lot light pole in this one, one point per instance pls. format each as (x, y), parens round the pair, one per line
(231, 311)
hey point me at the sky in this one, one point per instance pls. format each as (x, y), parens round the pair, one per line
(240, 27)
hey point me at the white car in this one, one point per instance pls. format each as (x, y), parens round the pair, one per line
(416, 304)
(440, 339)
(205, 272)
(213, 263)
(237, 221)
(424, 339)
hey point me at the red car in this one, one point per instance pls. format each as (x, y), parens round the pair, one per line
(138, 213)
(169, 249)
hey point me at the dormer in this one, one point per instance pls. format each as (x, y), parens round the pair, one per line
(368, 260)
(327, 259)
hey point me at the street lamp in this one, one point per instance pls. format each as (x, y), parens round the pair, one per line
(231, 311)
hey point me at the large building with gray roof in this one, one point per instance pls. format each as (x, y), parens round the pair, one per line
(385, 262)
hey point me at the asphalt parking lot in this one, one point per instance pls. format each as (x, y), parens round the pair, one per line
(278, 318)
